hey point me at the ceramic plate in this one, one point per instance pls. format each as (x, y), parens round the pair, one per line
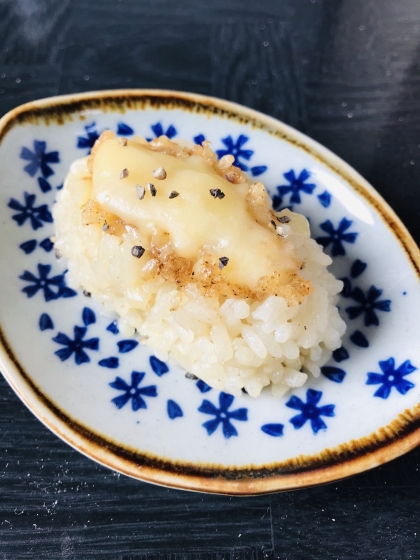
(113, 400)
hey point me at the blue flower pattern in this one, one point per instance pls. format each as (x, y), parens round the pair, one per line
(39, 159)
(235, 148)
(325, 199)
(124, 130)
(52, 288)
(391, 377)
(368, 303)
(45, 322)
(273, 430)
(222, 415)
(78, 345)
(309, 411)
(174, 410)
(337, 236)
(45, 186)
(28, 246)
(158, 130)
(92, 133)
(132, 391)
(27, 211)
(87, 142)
(368, 306)
(297, 185)
(159, 367)
(199, 139)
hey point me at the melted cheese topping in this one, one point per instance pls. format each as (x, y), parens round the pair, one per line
(194, 220)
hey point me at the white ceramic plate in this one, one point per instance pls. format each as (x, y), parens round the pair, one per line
(114, 401)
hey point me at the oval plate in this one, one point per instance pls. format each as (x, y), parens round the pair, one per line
(114, 401)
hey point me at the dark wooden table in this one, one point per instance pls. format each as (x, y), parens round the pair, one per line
(345, 72)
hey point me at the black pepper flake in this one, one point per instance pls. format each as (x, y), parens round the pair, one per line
(137, 251)
(124, 173)
(140, 191)
(217, 193)
(273, 223)
(173, 194)
(152, 189)
(223, 262)
(159, 173)
(86, 293)
(283, 219)
(191, 376)
(105, 226)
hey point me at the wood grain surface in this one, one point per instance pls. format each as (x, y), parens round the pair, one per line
(345, 72)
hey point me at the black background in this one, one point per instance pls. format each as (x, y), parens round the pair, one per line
(345, 72)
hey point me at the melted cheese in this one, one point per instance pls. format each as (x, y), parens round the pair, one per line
(194, 221)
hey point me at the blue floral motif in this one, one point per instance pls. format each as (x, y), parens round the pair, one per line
(202, 386)
(157, 130)
(125, 346)
(28, 247)
(87, 142)
(199, 139)
(340, 354)
(391, 377)
(235, 149)
(44, 185)
(35, 214)
(310, 411)
(111, 363)
(174, 410)
(45, 322)
(258, 170)
(357, 268)
(273, 430)
(46, 244)
(88, 316)
(223, 415)
(77, 346)
(133, 391)
(46, 284)
(333, 373)
(367, 305)
(39, 159)
(92, 134)
(124, 130)
(296, 186)
(337, 237)
(325, 199)
(113, 327)
(159, 367)
(347, 288)
(359, 339)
